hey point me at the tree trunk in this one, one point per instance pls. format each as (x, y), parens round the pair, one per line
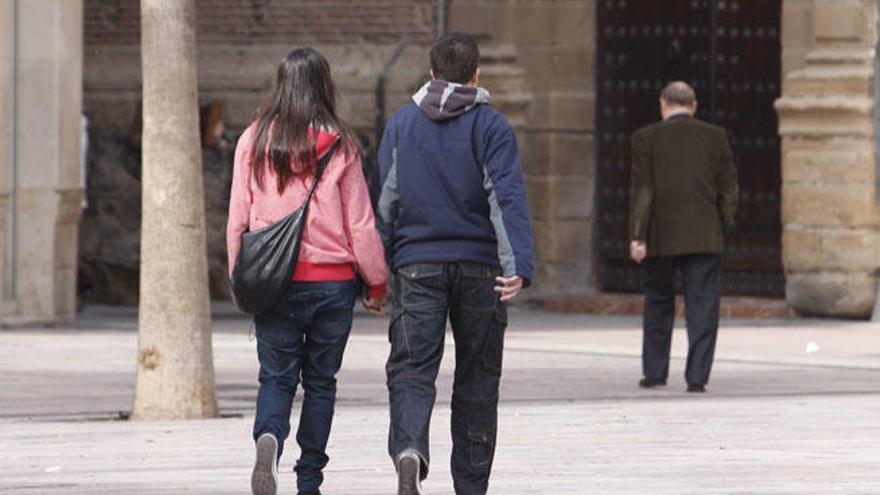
(175, 378)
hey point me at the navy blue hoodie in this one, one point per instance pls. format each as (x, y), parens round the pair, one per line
(451, 183)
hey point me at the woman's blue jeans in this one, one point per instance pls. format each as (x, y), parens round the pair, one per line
(301, 339)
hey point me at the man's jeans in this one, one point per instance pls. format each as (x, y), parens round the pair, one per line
(424, 295)
(303, 336)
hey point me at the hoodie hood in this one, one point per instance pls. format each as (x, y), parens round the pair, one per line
(443, 100)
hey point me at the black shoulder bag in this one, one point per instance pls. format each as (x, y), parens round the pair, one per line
(268, 256)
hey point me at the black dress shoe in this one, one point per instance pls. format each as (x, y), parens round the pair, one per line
(699, 389)
(310, 492)
(651, 383)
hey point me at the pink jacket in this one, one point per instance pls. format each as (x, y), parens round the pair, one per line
(340, 234)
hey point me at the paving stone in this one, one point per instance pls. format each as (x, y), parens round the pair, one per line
(777, 418)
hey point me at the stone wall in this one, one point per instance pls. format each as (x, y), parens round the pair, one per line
(240, 43)
(540, 66)
(554, 42)
(538, 62)
(797, 34)
(830, 198)
(111, 224)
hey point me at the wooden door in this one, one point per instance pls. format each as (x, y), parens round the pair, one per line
(729, 50)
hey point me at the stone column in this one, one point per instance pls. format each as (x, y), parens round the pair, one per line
(7, 64)
(47, 186)
(830, 208)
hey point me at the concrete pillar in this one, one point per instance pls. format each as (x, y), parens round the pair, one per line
(830, 208)
(7, 63)
(46, 194)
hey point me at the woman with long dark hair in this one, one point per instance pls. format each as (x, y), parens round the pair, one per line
(303, 336)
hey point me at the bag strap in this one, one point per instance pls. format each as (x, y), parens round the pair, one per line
(322, 165)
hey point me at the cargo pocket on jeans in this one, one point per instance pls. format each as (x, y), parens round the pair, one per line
(493, 354)
(397, 338)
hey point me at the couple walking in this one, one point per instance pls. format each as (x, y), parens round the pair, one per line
(452, 220)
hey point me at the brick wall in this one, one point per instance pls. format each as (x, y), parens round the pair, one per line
(240, 43)
(255, 22)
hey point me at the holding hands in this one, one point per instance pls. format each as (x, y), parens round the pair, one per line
(375, 304)
(507, 288)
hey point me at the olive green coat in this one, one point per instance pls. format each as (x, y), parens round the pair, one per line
(684, 188)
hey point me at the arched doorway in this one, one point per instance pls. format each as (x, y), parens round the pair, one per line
(730, 51)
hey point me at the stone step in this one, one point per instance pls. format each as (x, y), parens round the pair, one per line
(503, 79)
(492, 54)
(632, 304)
(501, 70)
(500, 74)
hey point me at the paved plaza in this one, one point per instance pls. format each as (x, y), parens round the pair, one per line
(793, 408)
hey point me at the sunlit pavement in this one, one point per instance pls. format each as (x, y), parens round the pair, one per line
(793, 407)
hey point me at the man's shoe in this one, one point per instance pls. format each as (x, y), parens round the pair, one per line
(699, 389)
(310, 492)
(651, 383)
(264, 480)
(409, 467)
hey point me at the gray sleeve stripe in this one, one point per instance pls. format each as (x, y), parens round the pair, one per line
(505, 250)
(389, 199)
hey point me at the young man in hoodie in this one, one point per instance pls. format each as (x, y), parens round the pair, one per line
(454, 218)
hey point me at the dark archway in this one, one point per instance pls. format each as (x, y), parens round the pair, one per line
(730, 51)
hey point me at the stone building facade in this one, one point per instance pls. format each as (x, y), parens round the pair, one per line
(240, 43)
(544, 86)
(826, 121)
(555, 45)
(811, 216)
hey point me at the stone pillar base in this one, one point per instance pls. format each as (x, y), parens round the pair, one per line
(846, 295)
(47, 236)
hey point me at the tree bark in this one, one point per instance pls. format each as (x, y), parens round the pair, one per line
(175, 378)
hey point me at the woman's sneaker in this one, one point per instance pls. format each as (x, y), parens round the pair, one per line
(264, 480)
(409, 467)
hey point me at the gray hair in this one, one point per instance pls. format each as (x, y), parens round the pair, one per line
(679, 93)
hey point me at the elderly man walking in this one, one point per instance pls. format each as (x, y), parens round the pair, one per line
(682, 202)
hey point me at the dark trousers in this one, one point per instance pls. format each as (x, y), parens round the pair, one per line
(424, 296)
(700, 280)
(302, 338)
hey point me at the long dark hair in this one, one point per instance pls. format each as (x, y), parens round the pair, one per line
(304, 99)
